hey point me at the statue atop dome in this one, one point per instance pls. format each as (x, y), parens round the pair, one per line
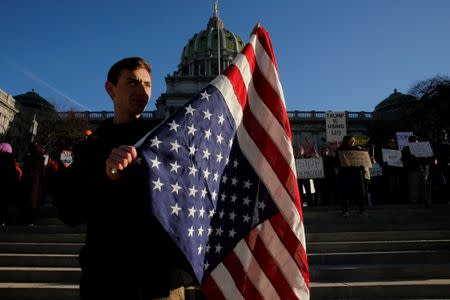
(215, 22)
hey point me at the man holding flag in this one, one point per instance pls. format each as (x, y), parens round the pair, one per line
(219, 177)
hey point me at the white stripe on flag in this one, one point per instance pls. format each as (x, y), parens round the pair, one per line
(223, 84)
(267, 68)
(284, 260)
(264, 116)
(225, 282)
(254, 271)
(275, 188)
(262, 167)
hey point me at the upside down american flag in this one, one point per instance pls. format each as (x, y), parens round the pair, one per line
(223, 182)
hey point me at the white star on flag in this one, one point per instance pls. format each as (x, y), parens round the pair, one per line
(175, 209)
(205, 95)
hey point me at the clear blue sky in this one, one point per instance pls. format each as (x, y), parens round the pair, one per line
(332, 55)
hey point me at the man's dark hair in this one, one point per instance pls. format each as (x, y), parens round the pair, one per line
(129, 63)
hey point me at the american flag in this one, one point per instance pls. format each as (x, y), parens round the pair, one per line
(222, 180)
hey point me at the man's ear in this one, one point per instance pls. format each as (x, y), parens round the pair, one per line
(109, 87)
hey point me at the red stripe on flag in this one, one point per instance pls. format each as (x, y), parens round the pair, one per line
(240, 277)
(267, 94)
(292, 244)
(249, 52)
(264, 39)
(261, 139)
(273, 155)
(235, 77)
(269, 266)
(211, 290)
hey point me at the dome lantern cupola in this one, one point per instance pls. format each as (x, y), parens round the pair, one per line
(215, 21)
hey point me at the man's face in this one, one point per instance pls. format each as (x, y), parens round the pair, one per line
(131, 94)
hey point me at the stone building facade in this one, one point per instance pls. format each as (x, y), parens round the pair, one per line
(9, 108)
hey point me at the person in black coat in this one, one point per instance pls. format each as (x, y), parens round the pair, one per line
(351, 180)
(441, 167)
(127, 253)
(327, 185)
(418, 175)
(9, 181)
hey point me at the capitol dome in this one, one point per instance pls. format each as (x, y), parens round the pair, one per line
(394, 101)
(200, 56)
(394, 106)
(206, 54)
(31, 101)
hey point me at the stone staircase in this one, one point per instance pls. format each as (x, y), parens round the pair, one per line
(40, 262)
(396, 252)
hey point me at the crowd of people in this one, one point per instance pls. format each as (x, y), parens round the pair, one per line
(120, 228)
(25, 185)
(422, 180)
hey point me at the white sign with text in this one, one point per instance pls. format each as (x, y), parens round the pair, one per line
(421, 149)
(309, 168)
(392, 157)
(402, 139)
(336, 126)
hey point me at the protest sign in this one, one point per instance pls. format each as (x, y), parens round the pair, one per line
(402, 139)
(66, 158)
(421, 149)
(336, 126)
(361, 140)
(354, 158)
(376, 170)
(309, 168)
(392, 157)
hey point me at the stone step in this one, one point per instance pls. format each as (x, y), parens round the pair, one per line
(354, 216)
(310, 237)
(391, 207)
(57, 229)
(378, 236)
(322, 228)
(313, 247)
(39, 274)
(42, 237)
(385, 272)
(323, 219)
(400, 290)
(39, 291)
(42, 248)
(38, 260)
(361, 246)
(392, 257)
(395, 257)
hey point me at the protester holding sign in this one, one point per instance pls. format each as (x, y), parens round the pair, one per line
(306, 185)
(418, 174)
(352, 179)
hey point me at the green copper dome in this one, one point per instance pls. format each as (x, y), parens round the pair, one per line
(209, 48)
(206, 42)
